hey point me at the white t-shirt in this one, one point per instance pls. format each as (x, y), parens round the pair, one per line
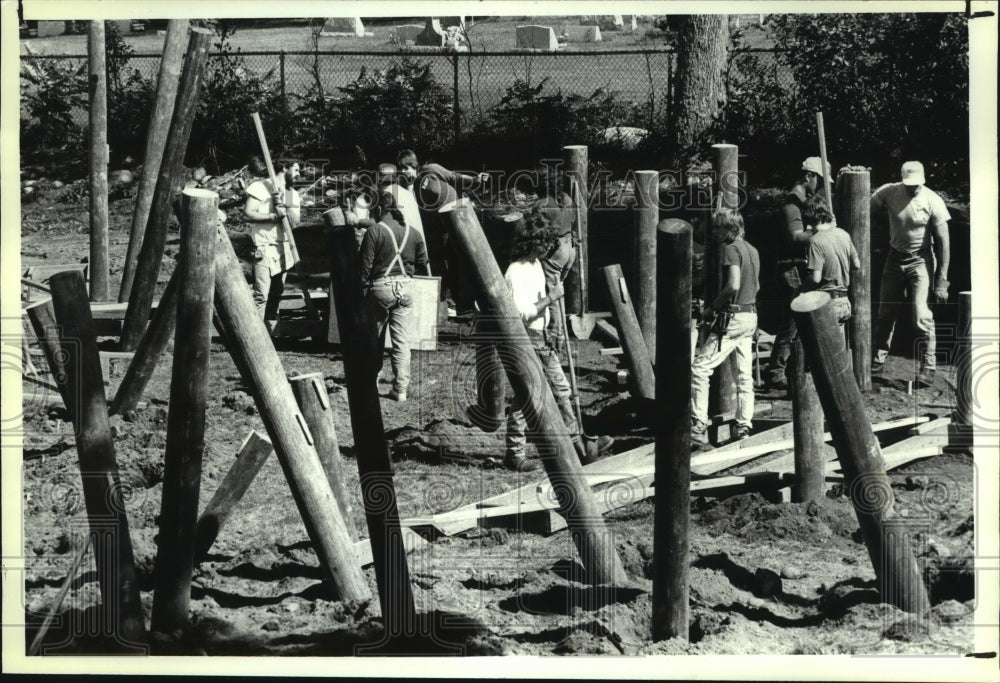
(909, 217)
(268, 232)
(526, 281)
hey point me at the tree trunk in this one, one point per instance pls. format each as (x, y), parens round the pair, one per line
(700, 91)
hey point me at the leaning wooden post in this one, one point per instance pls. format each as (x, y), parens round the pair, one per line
(186, 420)
(899, 576)
(856, 192)
(147, 355)
(491, 399)
(807, 430)
(673, 431)
(43, 322)
(647, 215)
(251, 457)
(359, 344)
(725, 166)
(310, 394)
(121, 604)
(577, 503)
(577, 281)
(98, 91)
(151, 253)
(636, 355)
(249, 340)
(156, 140)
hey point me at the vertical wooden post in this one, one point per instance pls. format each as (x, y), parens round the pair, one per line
(725, 165)
(151, 347)
(639, 364)
(156, 139)
(647, 215)
(252, 455)
(491, 394)
(963, 364)
(807, 430)
(673, 431)
(121, 605)
(310, 394)
(151, 252)
(186, 419)
(98, 91)
(577, 504)
(249, 340)
(856, 194)
(43, 322)
(899, 576)
(362, 359)
(577, 281)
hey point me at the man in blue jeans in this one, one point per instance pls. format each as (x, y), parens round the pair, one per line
(918, 231)
(390, 252)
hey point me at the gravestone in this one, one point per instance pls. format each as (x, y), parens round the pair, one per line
(344, 26)
(51, 28)
(408, 32)
(629, 22)
(451, 21)
(583, 34)
(432, 35)
(536, 37)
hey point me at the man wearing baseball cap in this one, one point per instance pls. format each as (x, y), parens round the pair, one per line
(918, 232)
(792, 248)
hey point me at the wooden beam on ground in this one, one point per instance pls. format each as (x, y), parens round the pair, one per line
(607, 329)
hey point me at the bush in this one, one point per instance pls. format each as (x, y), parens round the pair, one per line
(530, 123)
(130, 97)
(403, 106)
(223, 134)
(50, 91)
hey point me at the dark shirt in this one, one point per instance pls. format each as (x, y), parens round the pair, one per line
(378, 251)
(559, 211)
(743, 254)
(434, 187)
(788, 248)
(833, 254)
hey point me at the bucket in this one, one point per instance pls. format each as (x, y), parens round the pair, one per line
(425, 291)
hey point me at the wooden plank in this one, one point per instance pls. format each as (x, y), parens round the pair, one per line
(613, 351)
(411, 541)
(607, 329)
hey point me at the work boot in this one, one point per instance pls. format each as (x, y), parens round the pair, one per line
(593, 449)
(517, 462)
(878, 366)
(926, 377)
(699, 436)
(741, 432)
(396, 395)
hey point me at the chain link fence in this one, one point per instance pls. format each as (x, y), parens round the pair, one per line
(476, 81)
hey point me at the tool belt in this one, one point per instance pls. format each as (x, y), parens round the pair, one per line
(836, 293)
(741, 308)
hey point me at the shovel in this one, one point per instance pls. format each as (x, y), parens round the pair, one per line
(572, 378)
(582, 325)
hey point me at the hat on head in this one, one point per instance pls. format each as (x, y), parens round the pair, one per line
(815, 165)
(912, 173)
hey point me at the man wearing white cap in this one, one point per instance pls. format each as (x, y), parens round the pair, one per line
(918, 223)
(792, 249)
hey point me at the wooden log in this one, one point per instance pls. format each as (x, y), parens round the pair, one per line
(647, 215)
(156, 140)
(857, 221)
(362, 361)
(491, 388)
(900, 579)
(43, 322)
(577, 285)
(121, 605)
(186, 420)
(636, 355)
(807, 421)
(251, 457)
(673, 431)
(98, 139)
(725, 165)
(310, 394)
(524, 372)
(964, 400)
(151, 252)
(151, 347)
(249, 340)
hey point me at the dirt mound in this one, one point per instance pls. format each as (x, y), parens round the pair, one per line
(751, 517)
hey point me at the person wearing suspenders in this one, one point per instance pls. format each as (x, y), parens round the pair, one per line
(390, 252)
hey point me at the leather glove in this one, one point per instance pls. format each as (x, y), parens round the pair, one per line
(941, 290)
(924, 318)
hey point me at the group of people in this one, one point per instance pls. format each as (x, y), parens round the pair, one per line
(815, 254)
(407, 234)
